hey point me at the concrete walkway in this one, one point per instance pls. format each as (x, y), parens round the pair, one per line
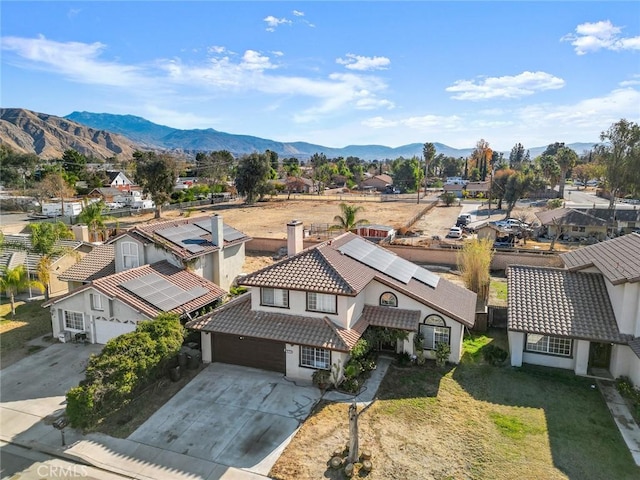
(369, 390)
(626, 424)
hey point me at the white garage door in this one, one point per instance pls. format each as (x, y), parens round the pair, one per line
(105, 330)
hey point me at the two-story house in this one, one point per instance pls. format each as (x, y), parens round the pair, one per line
(307, 311)
(585, 317)
(194, 260)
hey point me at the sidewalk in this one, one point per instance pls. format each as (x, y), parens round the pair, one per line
(626, 424)
(117, 455)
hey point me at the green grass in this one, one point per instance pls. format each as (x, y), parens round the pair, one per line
(500, 289)
(31, 321)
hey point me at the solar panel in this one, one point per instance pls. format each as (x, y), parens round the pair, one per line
(387, 262)
(229, 234)
(160, 292)
(188, 236)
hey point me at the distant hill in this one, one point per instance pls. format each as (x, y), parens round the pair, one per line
(49, 136)
(152, 135)
(104, 135)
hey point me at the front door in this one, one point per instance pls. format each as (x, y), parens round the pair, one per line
(599, 355)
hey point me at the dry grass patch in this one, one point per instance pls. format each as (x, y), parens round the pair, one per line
(31, 321)
(470, 421)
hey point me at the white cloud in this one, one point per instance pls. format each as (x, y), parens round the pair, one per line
(635, 80)
(524, 84)
(298, 13)
(360, 63)
(217, 49)
(416, 123)
(252, 60)
(273, 22)
(603, 35)
(76, 60)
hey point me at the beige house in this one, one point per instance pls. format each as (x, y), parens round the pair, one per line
(585, 317)
(307, 311)
(377, 182)
(570, 223)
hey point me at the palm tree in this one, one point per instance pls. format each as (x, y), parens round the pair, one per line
(566, 160)
(347, 221)
(14, 280)
(92, 216)
(44, 242)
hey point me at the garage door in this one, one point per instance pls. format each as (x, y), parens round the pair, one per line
(249, 352)
(105, 330)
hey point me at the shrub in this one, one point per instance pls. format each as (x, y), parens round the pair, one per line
(494, 354)
(404, 358)
(321, 378)
(443, 350)
(360, 349)
(126, 364)
(351, 385)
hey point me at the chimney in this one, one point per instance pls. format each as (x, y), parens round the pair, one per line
(294, 237)
(217, 231)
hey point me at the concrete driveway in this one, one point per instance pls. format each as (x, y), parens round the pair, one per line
(235, 416)
(35, 387)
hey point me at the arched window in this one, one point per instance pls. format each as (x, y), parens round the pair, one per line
(130, 255)
(434, 330)
(388, 299)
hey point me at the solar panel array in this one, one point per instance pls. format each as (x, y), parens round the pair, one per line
(228, 233)
(160, 292)
(188, 236)
(387, 262)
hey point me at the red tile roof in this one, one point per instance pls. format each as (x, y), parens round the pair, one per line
(96, 264)
(111, 286)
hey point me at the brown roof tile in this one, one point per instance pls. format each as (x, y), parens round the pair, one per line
(557, 302)
(237, 318)
(617, 259)
(391, 317)
(569, 216)
(635, 346)
(96, 264)
(323, 268)
(111, 286)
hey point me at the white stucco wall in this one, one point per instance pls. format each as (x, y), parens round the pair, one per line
(625, 363)
(516, 346)
(234, 257)
(297, 372)
(207, 350)
(550, 360)
(118, 252)
(114, 311)
(581, 353)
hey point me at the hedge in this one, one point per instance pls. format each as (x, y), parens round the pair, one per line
(127, 364)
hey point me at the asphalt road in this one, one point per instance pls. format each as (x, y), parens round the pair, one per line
(26, 464)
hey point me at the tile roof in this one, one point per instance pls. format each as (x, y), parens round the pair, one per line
(635, 346)
(323, 268)
(152, 232)
(111, 286)
(15, 251)
(557, 302)
(391, 317)
(617, 259)
(569, 216)
(620, 214)
(237, 318)
(98, 263)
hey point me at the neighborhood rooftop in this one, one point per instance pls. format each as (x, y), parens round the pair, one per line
(96, 264)
(16, 250)
(618, 259)
(557, 302)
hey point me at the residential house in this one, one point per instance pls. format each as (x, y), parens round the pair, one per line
(118, 179)
(307, 311)
(455, 188)
(106, 194)
(585, 317)
(300, 185)
(110, 306)
(493, 232)
(17, 251)
(204, 245)
(478, 189)
(619, 221)
(378, 182)
(568, 223)
(98, 263)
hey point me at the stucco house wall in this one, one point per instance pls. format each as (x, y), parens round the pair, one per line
(296, 372)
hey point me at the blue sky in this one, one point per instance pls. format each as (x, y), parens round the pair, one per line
(333, 73)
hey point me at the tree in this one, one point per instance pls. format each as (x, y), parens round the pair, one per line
(620, 155)
(74, 162)
(13, 280)
(481, 158)
(516, 187)
(474, 263)
(157, 175)
(499, 185)
(347, 221)
(92, 216)
(252, 175)
(518, 156)
(407, 173)
(550, 169)
(566, 160)
(54, 185)
(45, 239)
(428, 153)
(214, 167)
(448, 198)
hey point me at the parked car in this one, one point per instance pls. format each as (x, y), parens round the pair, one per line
(592, 183)
(463, 220)
(455, 232)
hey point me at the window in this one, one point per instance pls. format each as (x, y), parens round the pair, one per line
(434, 330)
(549, 345)
(130, 254)
(73, 321)
(96, 301)
(315, 357)
(321, 302)
(275, 297)
(388, 299)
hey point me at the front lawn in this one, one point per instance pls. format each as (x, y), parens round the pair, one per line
(470, 421)
(31, 321)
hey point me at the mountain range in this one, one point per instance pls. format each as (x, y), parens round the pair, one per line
(104, 135)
